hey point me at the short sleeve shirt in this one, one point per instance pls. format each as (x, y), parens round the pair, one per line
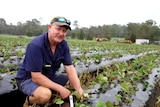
(39, 57)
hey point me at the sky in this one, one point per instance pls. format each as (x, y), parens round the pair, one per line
(86, 12)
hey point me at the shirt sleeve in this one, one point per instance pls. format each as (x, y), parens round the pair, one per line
(67, 56)
(33, 58)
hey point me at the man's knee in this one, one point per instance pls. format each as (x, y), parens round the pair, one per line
(43, 94)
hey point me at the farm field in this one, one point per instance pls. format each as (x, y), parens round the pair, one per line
(112, 74)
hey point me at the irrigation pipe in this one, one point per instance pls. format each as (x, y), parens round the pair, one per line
(71, 101)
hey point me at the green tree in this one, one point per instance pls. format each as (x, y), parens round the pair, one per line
(3, 26)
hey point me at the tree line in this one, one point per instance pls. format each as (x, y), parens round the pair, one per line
(132, 31)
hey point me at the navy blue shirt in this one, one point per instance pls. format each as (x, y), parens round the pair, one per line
(39, 57)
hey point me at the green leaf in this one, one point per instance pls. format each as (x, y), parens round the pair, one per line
(59, 101)
(100, 104)
(74, 93)
(109, 104)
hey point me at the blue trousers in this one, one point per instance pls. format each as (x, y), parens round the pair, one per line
(27, 86)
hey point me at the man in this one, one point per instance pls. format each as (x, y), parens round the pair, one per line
(38, 76)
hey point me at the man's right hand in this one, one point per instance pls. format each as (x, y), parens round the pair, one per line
(64, 93)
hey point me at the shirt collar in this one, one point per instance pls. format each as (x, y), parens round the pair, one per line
(46, 41)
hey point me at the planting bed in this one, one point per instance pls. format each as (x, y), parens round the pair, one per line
(112, 74)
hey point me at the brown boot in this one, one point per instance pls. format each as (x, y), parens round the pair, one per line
(26, 103)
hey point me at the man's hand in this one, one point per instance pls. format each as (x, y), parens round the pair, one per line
(80, 91)
(64, 93)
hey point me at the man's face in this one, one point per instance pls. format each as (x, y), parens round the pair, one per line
(56, 33)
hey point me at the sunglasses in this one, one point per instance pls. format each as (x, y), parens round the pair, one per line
(63, 20)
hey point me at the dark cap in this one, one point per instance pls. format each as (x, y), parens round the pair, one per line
(61, 21)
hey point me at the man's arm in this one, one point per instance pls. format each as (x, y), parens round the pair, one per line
(73, 78)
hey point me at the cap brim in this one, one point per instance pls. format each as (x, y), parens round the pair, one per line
(63, 24)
